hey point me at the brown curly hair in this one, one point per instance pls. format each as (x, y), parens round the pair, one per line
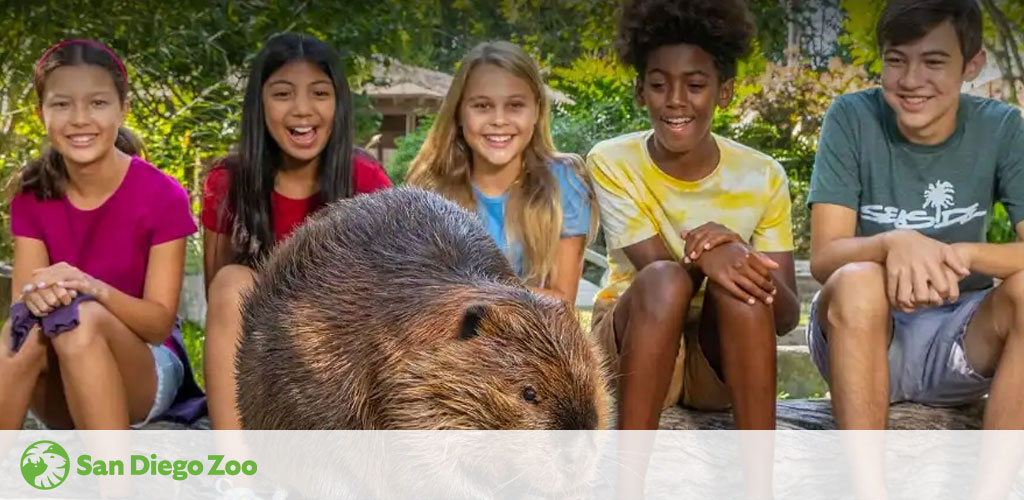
(722, 28)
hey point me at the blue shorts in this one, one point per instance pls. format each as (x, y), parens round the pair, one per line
(169, 374)
(927, 363)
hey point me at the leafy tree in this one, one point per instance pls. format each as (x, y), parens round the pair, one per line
(408, 146)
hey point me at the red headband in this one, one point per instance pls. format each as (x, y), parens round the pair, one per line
(83, 41)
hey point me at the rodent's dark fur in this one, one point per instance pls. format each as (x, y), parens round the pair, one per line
(396, 310)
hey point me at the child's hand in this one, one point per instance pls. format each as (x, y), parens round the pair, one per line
(742, 271)
(67, 276)
(921, 271)
(706, 237)
(41, 299)
(61, 271)
(88, 285)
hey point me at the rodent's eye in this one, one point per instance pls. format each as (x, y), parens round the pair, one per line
(530, 395)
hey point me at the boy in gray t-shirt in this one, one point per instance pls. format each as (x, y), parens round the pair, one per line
(901, 196)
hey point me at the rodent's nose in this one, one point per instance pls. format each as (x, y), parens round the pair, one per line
(577, 419)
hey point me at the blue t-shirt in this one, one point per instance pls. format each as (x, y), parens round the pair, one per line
(575, 213)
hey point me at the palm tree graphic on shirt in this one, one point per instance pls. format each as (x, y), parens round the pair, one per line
(939, 195)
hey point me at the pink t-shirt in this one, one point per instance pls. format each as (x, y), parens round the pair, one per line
(112, 242)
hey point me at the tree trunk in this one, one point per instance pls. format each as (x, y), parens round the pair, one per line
(1010, 63)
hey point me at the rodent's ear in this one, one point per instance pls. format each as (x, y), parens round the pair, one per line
(471, 320)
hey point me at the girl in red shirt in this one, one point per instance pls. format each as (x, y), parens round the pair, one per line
(296, 155)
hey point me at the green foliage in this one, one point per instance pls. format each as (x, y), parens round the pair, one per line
(604, 107)
(1000, 229)
(367, 119)
(195, 338)
(408, 146)
(779, 111)
(187, 63)
(858, 34)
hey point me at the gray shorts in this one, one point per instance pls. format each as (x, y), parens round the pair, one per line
(927, 364)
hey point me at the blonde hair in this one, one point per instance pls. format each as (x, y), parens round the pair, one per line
(534, 213)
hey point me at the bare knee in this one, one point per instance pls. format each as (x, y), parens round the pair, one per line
(94, 320)
(758, 316)
(229, 283)
(224, 295)
(662, 288)
(1011, 290)
(855, 296)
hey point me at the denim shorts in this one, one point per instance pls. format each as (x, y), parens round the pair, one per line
(927, 363)
(169, 374)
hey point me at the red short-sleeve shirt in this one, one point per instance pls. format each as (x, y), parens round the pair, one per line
(287, 213)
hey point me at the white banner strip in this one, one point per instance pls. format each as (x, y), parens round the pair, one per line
(512, 464)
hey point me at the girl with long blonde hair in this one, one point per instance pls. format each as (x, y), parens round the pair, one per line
(490, 150)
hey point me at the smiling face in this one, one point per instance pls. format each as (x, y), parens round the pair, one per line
(498, 114)
(921, 81)
(681, 89)
(82, 112)
(299, 104)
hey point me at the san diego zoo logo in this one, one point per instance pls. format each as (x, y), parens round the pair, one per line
(44, 465)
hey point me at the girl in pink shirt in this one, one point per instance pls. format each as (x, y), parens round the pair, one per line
(99, 251)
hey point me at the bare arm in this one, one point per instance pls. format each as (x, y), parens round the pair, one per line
(919, 270)
(650, 250)
(565, 279)
(29, 255)
(217, 253)
(833, 244)
(785, 304)
(992, 259)
(152, 316)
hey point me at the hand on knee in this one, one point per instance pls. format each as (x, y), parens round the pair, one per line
(727, 302)
(93, 320)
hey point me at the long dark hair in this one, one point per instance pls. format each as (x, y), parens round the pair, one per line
(259, 156)
(46, 176)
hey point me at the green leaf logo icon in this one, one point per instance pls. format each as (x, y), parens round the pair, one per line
(44, 465)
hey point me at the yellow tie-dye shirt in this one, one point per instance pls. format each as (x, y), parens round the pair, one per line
(748, 193)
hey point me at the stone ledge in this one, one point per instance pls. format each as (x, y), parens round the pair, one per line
(813, 414)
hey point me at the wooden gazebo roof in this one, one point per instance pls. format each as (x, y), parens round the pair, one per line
(403, 85)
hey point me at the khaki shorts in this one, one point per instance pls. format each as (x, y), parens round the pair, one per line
(694, 382)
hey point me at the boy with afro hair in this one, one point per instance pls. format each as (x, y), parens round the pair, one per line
(682, 206)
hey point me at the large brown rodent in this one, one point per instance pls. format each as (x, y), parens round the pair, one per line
(396, 310)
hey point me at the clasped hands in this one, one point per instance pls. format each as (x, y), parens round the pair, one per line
(723, 256)
(56, 286)
(923, 272)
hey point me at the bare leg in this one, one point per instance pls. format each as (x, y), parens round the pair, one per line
(648, 324)
(855, 312)
(108, 371)
(738, 340)
(223, 331)
(18, 375)
(994, 346)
